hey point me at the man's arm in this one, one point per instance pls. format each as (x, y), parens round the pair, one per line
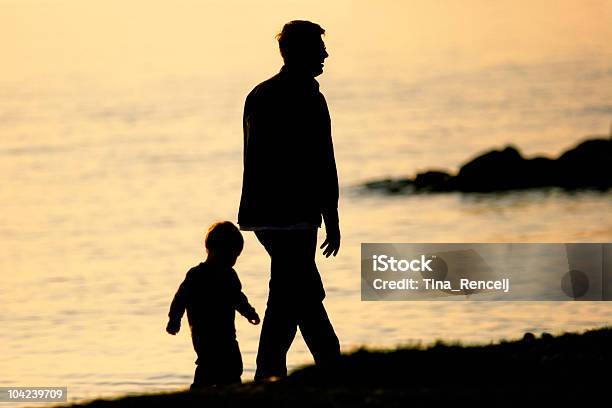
(247, 121)
(330, 190)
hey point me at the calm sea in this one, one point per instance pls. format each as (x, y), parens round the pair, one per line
(110, 173)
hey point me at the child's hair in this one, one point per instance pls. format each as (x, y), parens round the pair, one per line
(224, 235)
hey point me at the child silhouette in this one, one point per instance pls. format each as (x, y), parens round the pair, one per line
(211, 293)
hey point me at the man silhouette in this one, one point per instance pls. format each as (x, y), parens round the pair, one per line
(289, 183)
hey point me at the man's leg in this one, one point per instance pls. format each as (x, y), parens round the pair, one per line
(277, 333)
(296, 294)
(199, 378)
(313, 321)
(319, 334)
(279, 324)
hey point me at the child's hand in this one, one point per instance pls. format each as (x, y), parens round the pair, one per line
(254, 319)
(173, 327)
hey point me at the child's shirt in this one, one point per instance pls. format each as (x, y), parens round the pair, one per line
(211, 295)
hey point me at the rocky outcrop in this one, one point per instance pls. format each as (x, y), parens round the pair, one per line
(588, 165)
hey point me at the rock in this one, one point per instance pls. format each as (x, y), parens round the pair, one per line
(588, 165)
(390, 185)
(540, 172)
(432, 181)
(494, 170)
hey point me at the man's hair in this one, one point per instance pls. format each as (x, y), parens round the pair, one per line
(295, 35)
(224, 235)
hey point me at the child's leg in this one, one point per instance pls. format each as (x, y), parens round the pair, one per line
(219, 362)
(204, 363)
(229, 366)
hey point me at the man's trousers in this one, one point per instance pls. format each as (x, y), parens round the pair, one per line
(295, 300)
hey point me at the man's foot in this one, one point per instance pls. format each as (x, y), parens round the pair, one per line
(200, 387)
(267, 379)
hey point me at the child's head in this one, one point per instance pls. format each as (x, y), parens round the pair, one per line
(224, 243)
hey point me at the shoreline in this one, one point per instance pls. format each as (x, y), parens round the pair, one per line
(535, 369)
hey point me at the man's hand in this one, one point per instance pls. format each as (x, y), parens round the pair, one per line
(173, 327)
(254, 319)
(331, 245)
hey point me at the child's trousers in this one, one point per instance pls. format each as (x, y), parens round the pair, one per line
(219, 361)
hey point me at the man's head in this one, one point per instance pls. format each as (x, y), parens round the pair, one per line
(302, 47)
(224, 243)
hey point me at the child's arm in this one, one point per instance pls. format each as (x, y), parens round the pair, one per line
(242, 303)
(244, 308)
(177, 308)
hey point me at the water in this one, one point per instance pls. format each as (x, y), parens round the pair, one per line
(114, 160)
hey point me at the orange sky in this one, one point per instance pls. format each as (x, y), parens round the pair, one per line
(122, 38)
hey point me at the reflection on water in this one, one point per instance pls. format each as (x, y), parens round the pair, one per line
(107, 188)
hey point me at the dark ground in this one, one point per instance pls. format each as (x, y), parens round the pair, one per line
(570, 369)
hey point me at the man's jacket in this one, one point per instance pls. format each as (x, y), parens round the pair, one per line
(290, 172)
